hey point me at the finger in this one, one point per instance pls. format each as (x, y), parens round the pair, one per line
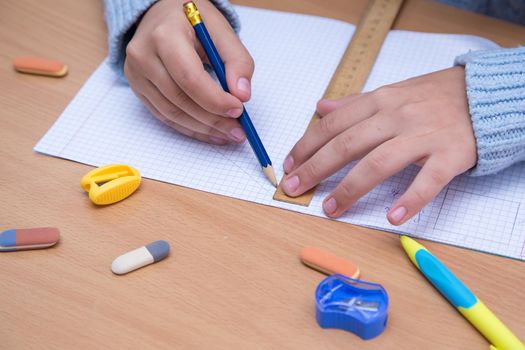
(205, 120)
(318, 134)
(185, 67)
(378, 165)
(214, 138)
(239, 68)
(326, 106)
(428, 183)
(176, 115)
(346, 147)
(238, 63)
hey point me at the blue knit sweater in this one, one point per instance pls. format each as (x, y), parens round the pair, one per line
(495, 79)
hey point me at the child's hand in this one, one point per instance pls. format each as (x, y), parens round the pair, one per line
(424, 120)
(164, 66)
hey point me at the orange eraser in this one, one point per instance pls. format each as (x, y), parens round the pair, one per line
(39, 66)
(327, 263)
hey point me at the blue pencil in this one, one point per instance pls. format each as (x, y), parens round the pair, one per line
(218, 66)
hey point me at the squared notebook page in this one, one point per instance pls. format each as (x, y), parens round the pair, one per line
(295, 57)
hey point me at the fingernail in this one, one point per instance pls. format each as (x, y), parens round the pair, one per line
(234, 112)
(288, 164)
(237, 135)
(291, 184)
(218, 140)
(398, 214)
(243, 85)
(330, 206)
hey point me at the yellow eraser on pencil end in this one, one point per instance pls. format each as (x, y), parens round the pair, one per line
(40, 66)
(327, 263)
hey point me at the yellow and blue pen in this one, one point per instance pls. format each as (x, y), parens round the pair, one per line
(195, 19)
(500, 337)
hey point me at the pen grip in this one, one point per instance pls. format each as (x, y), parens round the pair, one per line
(444, 280)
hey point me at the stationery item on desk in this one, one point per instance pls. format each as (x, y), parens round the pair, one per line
(143, 256)
(327, 263)
(28, 238)
(352, 305)
(355, 66)
(195, 19)
(106, 123)
(110, 183)
(40, 66)
(500, 337)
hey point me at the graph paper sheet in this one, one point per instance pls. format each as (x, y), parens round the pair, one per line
(295, 57)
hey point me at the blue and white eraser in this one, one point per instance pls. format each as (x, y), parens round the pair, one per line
(135, 259)
(352, 305)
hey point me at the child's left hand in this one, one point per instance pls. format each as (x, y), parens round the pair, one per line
(424, 120)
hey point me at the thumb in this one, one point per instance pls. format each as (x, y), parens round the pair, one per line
(239, 67)
(237, 61)
(326, 106)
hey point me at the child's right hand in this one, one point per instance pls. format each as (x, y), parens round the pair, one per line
(164, 67)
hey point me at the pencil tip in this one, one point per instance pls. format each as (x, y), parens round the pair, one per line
(270, 174)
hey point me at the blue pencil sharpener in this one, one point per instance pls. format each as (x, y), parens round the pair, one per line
(352, 305)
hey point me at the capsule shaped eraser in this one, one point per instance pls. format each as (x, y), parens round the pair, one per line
(40, 66)
(28, 238)
(327, 263)
(135, 259)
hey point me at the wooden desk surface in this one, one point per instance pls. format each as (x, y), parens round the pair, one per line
(229, 282)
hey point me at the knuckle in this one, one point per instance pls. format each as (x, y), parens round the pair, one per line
(245, 63)
(188, 33)
(217, 103)
(133, 52)
(344, 144)
(249, 63)
(219, 123)
(382, 94)
(206, 130)
(180, 98)
(419, 197)
(437, 176)
(327, 125)
(377, 161)
(311, 170)
(345, 192)
(173, 113)
(408, 111)
(381, 91)
(187, 78)
(159, 35)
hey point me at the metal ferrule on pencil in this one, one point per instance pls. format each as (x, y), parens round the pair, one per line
(192, 13)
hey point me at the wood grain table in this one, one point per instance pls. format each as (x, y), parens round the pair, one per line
(233, 280)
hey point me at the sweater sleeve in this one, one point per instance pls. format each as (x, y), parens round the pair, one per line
(122, 17)
(495, 82)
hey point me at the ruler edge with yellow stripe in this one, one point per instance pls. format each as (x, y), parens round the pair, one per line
(356, 80)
